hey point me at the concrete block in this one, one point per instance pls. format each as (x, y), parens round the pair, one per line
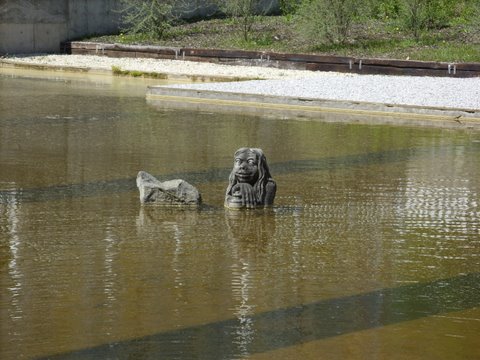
(77, 19)
(49, 36)
(103, 17)
(16, 38)
(31, 11)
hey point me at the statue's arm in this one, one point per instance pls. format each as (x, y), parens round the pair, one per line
(270, 190)
(241, 193)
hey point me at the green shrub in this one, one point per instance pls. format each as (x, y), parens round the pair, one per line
(467, 12)
(385, 9)
(245, 11)
(418, 15)
(289, 7)
(326, 21)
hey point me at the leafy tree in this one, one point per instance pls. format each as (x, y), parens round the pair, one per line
(149, 17)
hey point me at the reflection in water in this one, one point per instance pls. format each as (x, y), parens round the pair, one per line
(443, 208)
(248, 233)
(96, 188)
(10, 211)
(177, 267)
(304, 323)
(440, 207)
(241, 283)
(110, 276)
(367, 222)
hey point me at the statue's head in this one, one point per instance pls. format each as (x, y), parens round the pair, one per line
(247, 164)
(250, 167)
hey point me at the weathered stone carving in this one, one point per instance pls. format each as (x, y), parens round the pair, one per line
(169, 193)
(250, 183)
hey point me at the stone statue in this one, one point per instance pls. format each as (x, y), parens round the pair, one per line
(250, 183)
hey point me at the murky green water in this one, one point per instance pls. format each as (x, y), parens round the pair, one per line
(372, 250)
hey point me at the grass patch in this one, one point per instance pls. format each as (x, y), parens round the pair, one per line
(449, 52)
(116, 70)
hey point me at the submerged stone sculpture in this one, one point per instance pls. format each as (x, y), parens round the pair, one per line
(169, 193)
(250, 183)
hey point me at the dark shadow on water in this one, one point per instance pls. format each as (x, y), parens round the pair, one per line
(96, 188)
(299, 324)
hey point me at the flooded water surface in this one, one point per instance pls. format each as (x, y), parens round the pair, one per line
(372, 250)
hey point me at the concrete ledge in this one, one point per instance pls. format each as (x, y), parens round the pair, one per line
(312, 109)
(179, 78)
(4, 63)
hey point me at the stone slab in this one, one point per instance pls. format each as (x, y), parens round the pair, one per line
(280, 107)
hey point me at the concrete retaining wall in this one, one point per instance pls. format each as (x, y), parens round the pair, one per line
(34, 26)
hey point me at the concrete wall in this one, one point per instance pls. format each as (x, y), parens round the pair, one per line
(39, 26)
(32, 26)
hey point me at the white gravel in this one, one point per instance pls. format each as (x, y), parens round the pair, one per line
(400, 90)
(175, 67)
(441, 92)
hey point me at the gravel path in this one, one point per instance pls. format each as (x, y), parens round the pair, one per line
(402, 90)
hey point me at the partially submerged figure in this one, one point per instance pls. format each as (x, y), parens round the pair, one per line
(250, 183)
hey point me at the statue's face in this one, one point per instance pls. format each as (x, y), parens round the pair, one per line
(246, 167)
